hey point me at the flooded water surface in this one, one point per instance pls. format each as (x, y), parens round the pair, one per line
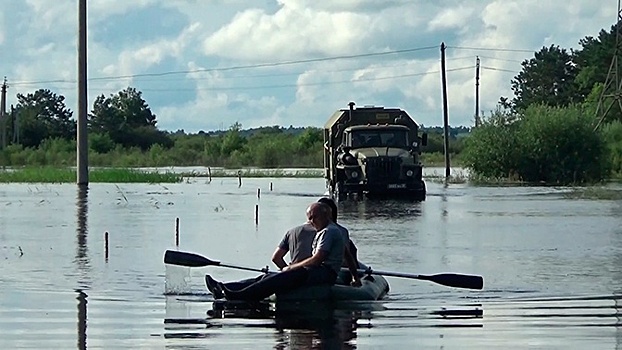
(84, 268)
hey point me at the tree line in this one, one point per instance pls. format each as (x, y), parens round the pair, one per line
(123, 132)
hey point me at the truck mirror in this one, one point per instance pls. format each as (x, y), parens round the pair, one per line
(424, 139)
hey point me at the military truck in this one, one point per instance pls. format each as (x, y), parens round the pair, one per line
(374, 152)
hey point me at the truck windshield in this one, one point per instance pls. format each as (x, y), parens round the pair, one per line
(379, 138)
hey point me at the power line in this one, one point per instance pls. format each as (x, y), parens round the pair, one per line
(501, 59)
(488, 49)
(252, 66)
(499, 69)
(272, 64)
(334, 82)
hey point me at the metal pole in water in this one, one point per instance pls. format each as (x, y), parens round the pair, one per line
(82, 166)
(256, 214)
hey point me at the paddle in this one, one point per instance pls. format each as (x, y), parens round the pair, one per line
(447, 279)
(174, 257)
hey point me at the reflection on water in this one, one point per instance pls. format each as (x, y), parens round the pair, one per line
(294, 325)
(82, 258)
(311, 325)
(386, 209)
(81, 319)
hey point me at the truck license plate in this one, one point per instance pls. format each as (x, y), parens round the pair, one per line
(396, 186)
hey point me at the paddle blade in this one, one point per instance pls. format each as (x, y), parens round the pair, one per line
(456, 280)
(187, 259)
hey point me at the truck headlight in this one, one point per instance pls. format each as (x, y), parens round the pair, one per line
(409, 173)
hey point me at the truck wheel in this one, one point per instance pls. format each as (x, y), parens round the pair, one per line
(420, 194)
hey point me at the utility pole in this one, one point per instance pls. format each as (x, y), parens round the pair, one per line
(15, 121)
(477, 119)
(3, 118)
(445, 117)
(82, 161)
(613, 80)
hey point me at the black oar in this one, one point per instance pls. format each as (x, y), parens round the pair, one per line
(446, 279)
(174, 257)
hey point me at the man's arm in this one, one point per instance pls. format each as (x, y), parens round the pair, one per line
(352, 266)
(314, 260)
(278, 258)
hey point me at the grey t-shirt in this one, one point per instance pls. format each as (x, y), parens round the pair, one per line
(330, 240)
(346, 241)
(298, 241)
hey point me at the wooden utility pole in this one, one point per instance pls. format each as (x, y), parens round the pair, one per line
(612, 90)
(82, 161)
(477, 120)
(3, 118)
(15, 119)
(445, 117)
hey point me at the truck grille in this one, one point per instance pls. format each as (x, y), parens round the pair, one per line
(382, 169)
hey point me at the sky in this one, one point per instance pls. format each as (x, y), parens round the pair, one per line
(207, 64)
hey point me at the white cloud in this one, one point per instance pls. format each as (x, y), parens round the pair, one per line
(2, 28)
(289, 33)
(226, 33)
(100, 9)
(454, 17)
(138, 59)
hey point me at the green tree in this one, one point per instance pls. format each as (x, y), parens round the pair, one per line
(554, 145)
(310, 138)
(548, 78)
(594, 59)
(41, 115)
(232, 140)
(491, 150)
(127, 119)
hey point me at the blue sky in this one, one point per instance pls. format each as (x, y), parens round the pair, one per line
(206, 64)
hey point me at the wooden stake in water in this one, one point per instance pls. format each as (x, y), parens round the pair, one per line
(106, 245)
(177, 232)
(270, 186)
(209, 174)
(259, 193)
(256, 214)
(239, 178)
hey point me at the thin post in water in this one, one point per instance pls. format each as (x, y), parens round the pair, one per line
(177, 232)
(239, 178)
(106, 245)
(259, 193)
(270, 186)
(256, 214)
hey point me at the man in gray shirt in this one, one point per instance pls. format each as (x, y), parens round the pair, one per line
(320, 268)
(298, 242)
